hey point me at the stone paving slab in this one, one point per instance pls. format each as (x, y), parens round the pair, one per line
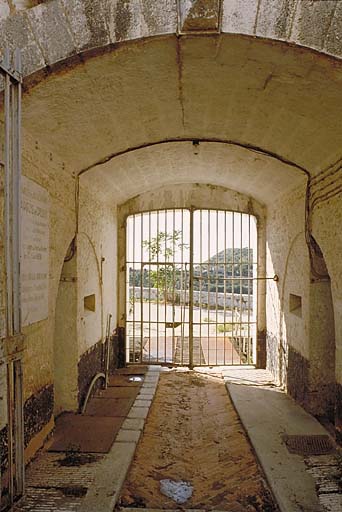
(111, 474)
(149, 385)
(146, 394)
(51, 483)
(133, 424)
(144, 398)
(142, 403)
(151, 377)
(138, 412)
(128, 436)
(267, 414)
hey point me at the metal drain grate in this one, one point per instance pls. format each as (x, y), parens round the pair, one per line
(309, 445)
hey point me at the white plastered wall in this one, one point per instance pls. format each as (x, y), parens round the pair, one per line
(326, 222)
(48, 170)
(287, 256)
(96, 240)
(301, 342)
(97, 265)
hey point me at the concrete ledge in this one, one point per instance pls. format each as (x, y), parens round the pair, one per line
(109, 477)
(151, 379)
(142, 402)
(38, 441)
(146, 394)
(133, 424)
(128, 436)
(156, 368)
(149, 385)
(138, 412)
(267, 414)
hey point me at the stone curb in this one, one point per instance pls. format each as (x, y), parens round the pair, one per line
(266, 414)
(111, 474)
(167, 510)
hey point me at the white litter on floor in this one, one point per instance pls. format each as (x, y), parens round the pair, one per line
(179, 491)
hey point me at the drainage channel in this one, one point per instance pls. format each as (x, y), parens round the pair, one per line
(194, 453)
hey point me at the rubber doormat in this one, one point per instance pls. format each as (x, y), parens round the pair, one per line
(85, 434)
(113, 407)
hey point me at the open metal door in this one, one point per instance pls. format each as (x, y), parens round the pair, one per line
(157, 305)
(11, 339)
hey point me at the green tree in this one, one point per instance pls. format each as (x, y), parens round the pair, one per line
(161, 250)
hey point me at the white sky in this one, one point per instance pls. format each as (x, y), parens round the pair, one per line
(213, 232)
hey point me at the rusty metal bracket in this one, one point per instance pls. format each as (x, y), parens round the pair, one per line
(11, 348)
(7, 70)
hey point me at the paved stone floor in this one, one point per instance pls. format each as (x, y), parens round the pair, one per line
(74, 480)
(193, 435)
(301, 483)
(58, 482)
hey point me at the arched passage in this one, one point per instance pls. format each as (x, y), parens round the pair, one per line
(106, 111)
(260, 139)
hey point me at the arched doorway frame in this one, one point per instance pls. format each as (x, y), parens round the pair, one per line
(199, 196)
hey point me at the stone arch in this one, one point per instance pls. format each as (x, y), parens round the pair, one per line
(78, 26)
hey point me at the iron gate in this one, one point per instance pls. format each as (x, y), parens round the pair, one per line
(191, 287)
(12, 463)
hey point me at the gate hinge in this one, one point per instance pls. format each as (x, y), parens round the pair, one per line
(11, 348)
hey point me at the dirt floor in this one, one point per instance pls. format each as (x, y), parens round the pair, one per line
(194, 443)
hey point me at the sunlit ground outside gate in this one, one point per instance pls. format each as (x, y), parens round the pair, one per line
(191, 287)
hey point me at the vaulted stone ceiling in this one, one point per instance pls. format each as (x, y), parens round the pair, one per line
(283, 100)
(233, 167)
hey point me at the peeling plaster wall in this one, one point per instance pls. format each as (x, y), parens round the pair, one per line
(288, 257)
(96, 276)
(47, 170)
(326, 222)
(55, 346)
(96, 242)
(301, 344)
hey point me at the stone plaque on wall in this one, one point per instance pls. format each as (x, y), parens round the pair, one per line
(34, 252)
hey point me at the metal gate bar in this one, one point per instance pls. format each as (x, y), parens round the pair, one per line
(191, 305)
(11, 346)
